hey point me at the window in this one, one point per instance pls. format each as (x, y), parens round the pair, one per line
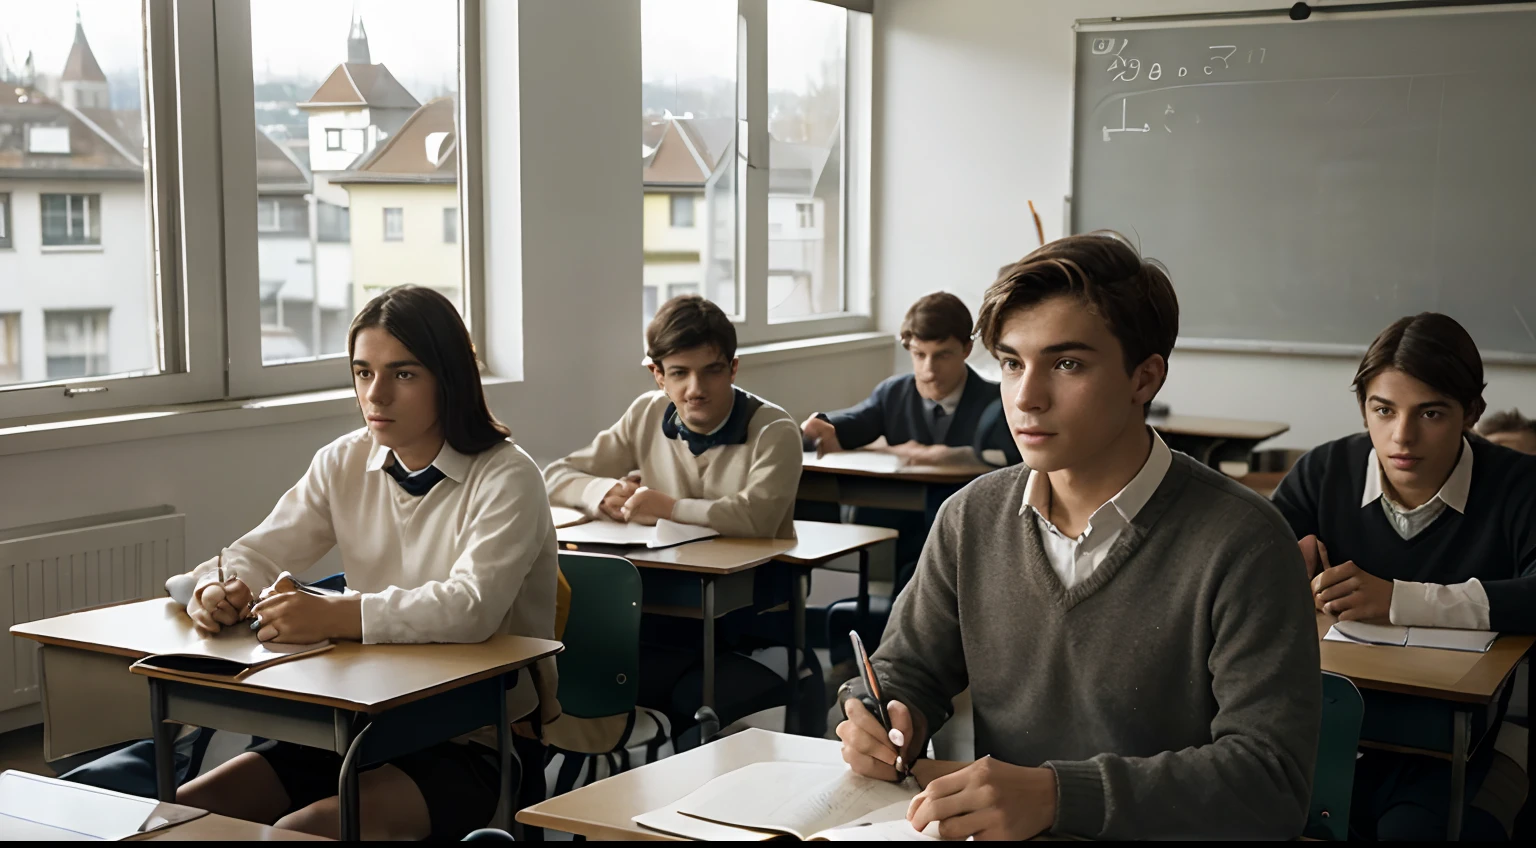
(676, 289)
(682, 211)
(269, 216)
(451, 225)
(71, 219)
(76, 343)
(394, 224)
(778, 156)
(10, 348)
(333, 139)
(48, 140)
(5, 220)
(335, 223)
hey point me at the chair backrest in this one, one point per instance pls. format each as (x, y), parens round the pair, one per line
(600, 666)
(1333, 779)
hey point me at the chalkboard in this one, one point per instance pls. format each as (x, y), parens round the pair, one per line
(1309, 182)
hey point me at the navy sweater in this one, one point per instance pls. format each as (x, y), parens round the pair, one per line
(1495, 541)
(895, 410)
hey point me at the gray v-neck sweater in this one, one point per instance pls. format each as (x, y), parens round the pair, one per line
(1176, 691)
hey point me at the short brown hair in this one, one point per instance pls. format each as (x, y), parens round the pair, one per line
(1433, 349)
(689, 321)
(1506, 422)
(936, 317)
(1133, 295)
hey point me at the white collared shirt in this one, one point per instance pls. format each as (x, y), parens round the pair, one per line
(1463, 605)
(949, 403)
(1074, 560)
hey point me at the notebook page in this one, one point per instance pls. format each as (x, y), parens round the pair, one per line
(1369, 634)
(887, 824)
(1475, 641)
(36, 804)
(796, 798)
(669, 533)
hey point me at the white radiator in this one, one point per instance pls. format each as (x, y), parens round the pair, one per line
(52, 569)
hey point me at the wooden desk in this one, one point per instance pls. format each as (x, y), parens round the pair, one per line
(212, 828)
(1425, 699)
(603, 810)
(1212, 440)
(876, 479)
(367, 702)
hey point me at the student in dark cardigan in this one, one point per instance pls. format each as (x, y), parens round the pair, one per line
(941, 413)
(1420, 522)
(1141, 655)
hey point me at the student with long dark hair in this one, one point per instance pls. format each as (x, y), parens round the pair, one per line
(446, 534)
(1417, 521)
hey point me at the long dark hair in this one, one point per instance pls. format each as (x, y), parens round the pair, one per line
(430, 328)
(1433, 349)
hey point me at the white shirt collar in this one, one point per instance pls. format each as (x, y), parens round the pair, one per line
(454, 465)
(1453, 493)
(1129, 501)
(950, 402)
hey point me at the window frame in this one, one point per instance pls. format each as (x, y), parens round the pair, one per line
(341, 139)
(247, 375)
(753, 325)
(10, 342)
(90, 209)
(183, 250)
(6, 237)
(673, 206)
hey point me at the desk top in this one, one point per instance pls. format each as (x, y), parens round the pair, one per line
(819, 541)
(352, 676)
(868, 463)
(603, 810)
(719, 555)
(212, 828)
(1218, 428)
(1427, 672)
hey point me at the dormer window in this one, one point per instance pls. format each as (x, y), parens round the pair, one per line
(48, 140)
(333, 140)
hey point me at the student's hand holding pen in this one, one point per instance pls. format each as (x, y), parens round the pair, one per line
(1350, 592)
(869, 749)
(218, 605)
(820, 432)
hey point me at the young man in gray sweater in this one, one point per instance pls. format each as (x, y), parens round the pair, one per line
(1141, 657)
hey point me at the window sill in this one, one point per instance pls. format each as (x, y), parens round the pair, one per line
(72, 248)
(776, 352)
(62, 432)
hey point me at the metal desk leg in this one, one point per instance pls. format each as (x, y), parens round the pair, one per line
(504, 748)
(708, 586)
(1461, 732)
(797, 646)
(164, 735)
(863, 588)
(347, 788)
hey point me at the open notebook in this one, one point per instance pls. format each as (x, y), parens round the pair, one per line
(1359, 632)
(805, 800)
(45, 809)
(231, 654)
(664, 535)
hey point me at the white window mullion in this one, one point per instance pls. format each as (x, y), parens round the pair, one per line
(753, 80)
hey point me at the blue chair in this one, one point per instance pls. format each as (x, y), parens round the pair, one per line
(1333, 778)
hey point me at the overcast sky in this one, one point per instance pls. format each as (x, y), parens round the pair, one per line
(682, 39)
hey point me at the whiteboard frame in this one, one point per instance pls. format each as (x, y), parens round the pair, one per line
(1252, 17)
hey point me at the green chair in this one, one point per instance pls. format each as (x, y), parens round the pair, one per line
(599, 671)
(1333, 779)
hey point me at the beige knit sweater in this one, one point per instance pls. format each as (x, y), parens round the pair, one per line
(745, 490)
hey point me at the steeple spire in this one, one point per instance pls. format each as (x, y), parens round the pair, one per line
(357, 41)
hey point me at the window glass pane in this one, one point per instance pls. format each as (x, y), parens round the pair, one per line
(688, 135)
(807, 62)
(355, 123)
(450, 225)
(76, 246)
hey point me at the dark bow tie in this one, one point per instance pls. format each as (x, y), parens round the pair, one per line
(697, 444)
(415, 485)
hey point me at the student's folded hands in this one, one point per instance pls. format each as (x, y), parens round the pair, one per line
(647, 506)
(1348, 591)
(988, 799)
(218, 605)
(299, 618)
(612, 505)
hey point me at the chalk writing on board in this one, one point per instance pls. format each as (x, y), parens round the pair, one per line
(1222, 58)
(1123, 128)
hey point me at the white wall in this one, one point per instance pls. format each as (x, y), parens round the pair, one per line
(580, 256)
(973, 118)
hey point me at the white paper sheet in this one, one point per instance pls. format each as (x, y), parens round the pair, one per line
(1445, 638)
(796, 798)
(35, 807)
(664, 535)
(887, 824)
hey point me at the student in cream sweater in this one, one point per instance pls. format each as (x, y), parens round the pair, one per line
(696, 451)
(446, 534)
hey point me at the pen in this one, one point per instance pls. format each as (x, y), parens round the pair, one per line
(817, 445)
(1039, 230)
